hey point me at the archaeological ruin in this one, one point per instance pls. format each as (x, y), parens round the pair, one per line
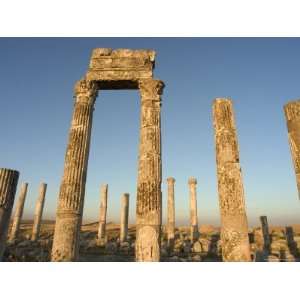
(8, 185)
(113, 69)
(292, 115)
(234, 231)
(147, 240)
(171, 212)
(102, 213)
(38, 212)
(18, 212)
(193, 209)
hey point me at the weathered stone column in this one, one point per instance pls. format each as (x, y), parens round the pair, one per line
(193, 209)
(124, 218)
(72, 189)
(234, 224)
(103, 210)
(171, 212)
(18, 213)
(8, 185)
(292, 115)
(37, 220)
(265, 232)
(148, 209)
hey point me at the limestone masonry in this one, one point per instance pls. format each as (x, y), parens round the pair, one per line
(234, 231)
(8, 185)
(147, 240)
(292, 115)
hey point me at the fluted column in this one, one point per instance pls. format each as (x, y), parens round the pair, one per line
(8, 185)
(39, 207)
(124, 218)
(171, 212)
(193, 209)
(18, 213)
(148, 209)
(292, 115)
(103, 210)
(234, 224)
(72, 189)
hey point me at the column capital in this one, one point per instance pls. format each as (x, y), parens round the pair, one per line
(86, 91)
(151, 88)
(171, 180)
(192, 181)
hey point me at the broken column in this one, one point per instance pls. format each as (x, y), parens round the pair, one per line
(171, 212)
(103, 210)
(19, 212)
(234, 224)
(124, 218)
(193, 209)
(149, 198)
(72, 188)
(8, 185)
(292, 115)
(38, 212)
(265, 232)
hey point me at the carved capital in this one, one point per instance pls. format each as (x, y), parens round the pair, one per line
(151, 88)
(171, 180)
(192, 181)
(86, 91)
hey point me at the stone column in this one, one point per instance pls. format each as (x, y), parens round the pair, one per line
(103, 210)
(171, 212)
(72, 189)
(265, 232)
(8, 185)
(124, 218)
(38, 212)
(148, 206)
(19, 212)
(193, 209)
(289, 233)
(292, 115)
(234, 224)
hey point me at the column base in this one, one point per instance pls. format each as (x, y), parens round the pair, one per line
(147, 246)
(66, 238)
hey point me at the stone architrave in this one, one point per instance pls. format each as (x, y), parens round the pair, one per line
(194, 235)
(265, 232)
(124, 218)
(292, 115)
(37, 220)
(8, 185)
(18, 213)
(234, 224)
(103, 211)
(120, 68)
(171, 212)
(72, 189)
(149, 197)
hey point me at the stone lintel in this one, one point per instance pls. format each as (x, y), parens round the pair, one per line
(120, 64)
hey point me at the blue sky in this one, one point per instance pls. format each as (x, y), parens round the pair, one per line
(37, 76)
